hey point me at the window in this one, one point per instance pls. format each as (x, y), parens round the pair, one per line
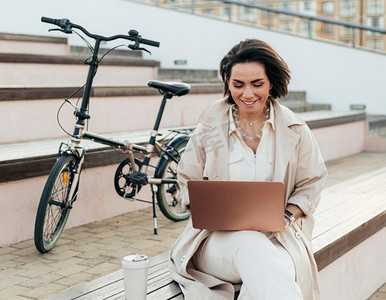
(287, 26)
(376, 44)
(209, 12)
(328, 28)
(375, 22)
(347, 7)
(305, 27)
(306, 6)
(328, 8)
(346, 41)
(286, 6)
(226, 11)
(248, 14)
(345, 31)
(375, 7)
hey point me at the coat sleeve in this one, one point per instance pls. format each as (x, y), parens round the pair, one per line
(310, 173)
(191, 165)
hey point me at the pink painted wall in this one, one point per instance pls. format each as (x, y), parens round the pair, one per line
(36, 120)
(53, 75)
(97, 200)
(34, 48)
(341, 140)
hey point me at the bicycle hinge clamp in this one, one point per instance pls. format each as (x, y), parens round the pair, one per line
(81, 115)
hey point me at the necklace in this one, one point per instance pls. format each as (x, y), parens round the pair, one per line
(251, 135)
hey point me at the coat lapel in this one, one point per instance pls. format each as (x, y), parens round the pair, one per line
(286, 141)
(216, 167)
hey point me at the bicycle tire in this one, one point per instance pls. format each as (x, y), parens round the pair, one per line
(53, 209)
(168, 194)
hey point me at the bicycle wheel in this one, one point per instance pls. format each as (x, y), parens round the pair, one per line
(53, 210)
(169, 195)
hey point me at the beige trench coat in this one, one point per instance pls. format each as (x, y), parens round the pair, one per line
(298, 163)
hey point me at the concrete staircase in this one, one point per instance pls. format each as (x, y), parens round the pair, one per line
(33, 87)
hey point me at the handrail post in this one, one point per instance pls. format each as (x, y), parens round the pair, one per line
(193, 7)
(269, 19)
(230, 13)
(353, 37)
(309, 28)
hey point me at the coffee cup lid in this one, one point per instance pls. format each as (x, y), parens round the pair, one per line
(136, 260)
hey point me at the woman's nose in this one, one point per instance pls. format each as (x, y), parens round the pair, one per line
(248, 92)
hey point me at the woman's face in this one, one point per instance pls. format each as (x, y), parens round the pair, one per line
(249, 87)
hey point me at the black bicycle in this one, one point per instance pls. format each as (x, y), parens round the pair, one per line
(61, 188)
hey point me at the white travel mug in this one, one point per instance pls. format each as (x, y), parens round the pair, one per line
(135, 276)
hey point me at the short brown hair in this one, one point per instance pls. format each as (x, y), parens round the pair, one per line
(254, 50)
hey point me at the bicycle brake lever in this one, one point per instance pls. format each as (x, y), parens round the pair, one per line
(143, 49)
(67, 30)
(135, 47)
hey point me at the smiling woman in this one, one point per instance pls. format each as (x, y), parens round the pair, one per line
(249, 136)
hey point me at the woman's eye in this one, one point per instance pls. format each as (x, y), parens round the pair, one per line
(257, 85)
(238, 86)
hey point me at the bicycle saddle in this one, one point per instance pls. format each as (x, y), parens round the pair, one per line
(171, 88)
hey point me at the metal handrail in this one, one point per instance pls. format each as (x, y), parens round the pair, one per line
(305, 16)
(348, 24)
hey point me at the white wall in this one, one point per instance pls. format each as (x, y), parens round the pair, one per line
(328, 73)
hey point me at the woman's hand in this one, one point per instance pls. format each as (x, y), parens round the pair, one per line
(296, 212)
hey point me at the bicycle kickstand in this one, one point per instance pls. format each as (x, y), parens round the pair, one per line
(154, 189)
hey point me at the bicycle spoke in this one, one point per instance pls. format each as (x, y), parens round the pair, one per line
(56, 205)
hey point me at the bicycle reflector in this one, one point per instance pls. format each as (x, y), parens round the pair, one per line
(65, 178)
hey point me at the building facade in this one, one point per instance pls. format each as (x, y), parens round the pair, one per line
(365, 12)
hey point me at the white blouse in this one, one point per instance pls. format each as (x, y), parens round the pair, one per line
(243, 164)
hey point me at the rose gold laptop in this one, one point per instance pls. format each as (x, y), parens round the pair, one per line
(237, 205)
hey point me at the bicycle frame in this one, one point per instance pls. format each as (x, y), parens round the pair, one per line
(79, 133)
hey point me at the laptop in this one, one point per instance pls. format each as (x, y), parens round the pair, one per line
(237, 205)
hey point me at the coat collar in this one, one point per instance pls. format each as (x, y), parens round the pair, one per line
(216, 115)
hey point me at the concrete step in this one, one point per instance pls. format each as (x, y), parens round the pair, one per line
(306, 107)
(117, 53)
(29, 70)
(50, 45)
(189, 75)
(32, 112)
(318, 121)
(377, 125)
(294, 97)
(33, 44)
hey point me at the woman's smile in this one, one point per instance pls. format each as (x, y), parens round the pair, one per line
(249, 102)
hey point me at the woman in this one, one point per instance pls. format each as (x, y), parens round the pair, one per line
(249, 136)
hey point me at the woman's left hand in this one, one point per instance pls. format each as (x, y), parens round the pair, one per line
(296, 212)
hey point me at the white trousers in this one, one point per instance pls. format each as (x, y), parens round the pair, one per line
(262, 264)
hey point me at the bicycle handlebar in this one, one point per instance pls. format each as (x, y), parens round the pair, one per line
(67, 26)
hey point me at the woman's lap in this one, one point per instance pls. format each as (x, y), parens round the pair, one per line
(250, 257)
